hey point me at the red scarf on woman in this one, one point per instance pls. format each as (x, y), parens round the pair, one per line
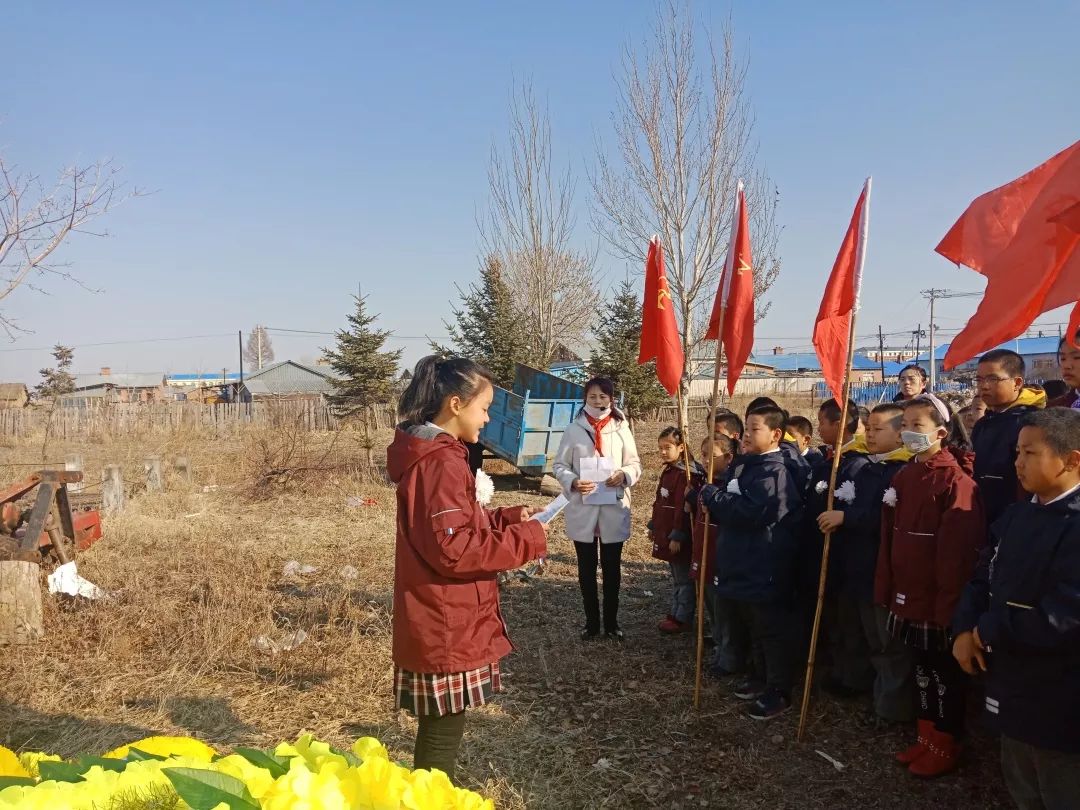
(598, 425)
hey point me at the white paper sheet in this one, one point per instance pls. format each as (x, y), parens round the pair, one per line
(598, 470)
(552, 510)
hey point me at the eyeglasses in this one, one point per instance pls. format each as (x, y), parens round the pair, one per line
(991, 380)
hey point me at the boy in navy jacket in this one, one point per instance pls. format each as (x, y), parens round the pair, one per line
(1019, 618)
(758, 514)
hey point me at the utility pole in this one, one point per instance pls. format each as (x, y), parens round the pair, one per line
(881, 351)
(918, 340)
(934, 295)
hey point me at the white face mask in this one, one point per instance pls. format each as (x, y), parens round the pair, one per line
(597, 413)
(918, 442)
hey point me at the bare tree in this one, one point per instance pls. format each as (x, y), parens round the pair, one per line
(683, 127)
(258, 351)
(530, 226)
(36, 221)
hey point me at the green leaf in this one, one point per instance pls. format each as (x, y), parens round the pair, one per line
(106, 763)
(277, 766)
(350, 757)
(9, 781)
(59, 771)
(135, 755)
(205, 790)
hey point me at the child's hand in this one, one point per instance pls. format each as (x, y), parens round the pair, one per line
(528, 511)
(830, 521)
(674, 546)
(584, 487)
(967, 651)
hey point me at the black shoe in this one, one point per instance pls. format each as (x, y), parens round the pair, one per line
(748, 689)
(615, 635)
(771, 704)
(589, 633)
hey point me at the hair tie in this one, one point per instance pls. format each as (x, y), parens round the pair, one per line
(940, 406)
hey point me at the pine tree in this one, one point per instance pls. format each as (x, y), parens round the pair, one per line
(487, 327)
(59, 380)
(366, 373)
(258, 352)
(616, 350)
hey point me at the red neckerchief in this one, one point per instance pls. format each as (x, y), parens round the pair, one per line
(598, 425)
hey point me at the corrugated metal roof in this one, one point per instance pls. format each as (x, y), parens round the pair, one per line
(1025, 347)
(808, 361)
(290, 377)
(135, 379)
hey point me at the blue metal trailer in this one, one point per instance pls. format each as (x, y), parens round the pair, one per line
(527, 423)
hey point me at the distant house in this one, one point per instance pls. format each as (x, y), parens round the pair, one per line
(13, 395)
(288, 380)
(107, 387)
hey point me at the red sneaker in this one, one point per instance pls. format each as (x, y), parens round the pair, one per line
(670, 625)
(942, 756)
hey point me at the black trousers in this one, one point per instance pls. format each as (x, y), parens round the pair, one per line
(610, 560)
(1040, 779)
(437, 742)
(770, 628)
(942, 690)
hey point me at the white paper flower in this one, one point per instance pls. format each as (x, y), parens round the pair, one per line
(821, 486)
(663, 492)
(733, 487)
(846, 492)
(485, 488)
(889, 498)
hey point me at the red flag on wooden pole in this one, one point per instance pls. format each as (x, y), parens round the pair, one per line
(735, 297)
(841, 298)
(1025, 238)
(659, 332)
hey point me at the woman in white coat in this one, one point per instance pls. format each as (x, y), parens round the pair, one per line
(599, 431)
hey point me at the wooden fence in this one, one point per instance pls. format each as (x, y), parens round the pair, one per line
(168, 417)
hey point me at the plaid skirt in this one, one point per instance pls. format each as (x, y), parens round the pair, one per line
(426, 693)
(919, 635)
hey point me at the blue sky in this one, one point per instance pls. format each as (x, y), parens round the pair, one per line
(298, 150)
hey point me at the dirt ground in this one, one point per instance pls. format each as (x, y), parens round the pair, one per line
(198, 576)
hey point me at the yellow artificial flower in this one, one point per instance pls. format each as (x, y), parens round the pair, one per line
(258, 780)
(167, 747)
(367, 747)
(302, 789)
(10, 764)
(314, 753)
(31, 759)
(429, 790)
(378, 784)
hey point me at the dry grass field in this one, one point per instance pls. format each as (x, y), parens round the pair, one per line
(198, 575)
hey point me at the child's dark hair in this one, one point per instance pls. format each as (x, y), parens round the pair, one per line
(830, 409)
(957, 438)
(436, 379)
(723, 418)
(673, 433)
(894, 410)
(775, 417)
(1060, 427)
(916, 368)
(760, 402)
(1055, 388)
(1011, 363)
(725, 444)
(800, 425)
(607, 385)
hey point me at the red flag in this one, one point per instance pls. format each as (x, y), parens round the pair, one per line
(735, 297)
(1025, 238)
(832, 329)
(659, 334)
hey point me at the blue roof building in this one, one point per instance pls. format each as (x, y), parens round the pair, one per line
(1039, 353)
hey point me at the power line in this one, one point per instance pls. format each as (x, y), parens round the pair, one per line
(117, 342)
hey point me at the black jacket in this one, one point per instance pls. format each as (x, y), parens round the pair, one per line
(797, 465)
(858, 539)
(1025, 601)
(755, 552)
(994, 440)
(815, 458)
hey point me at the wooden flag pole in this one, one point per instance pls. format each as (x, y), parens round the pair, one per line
(685, 437)
(705, 529)
(828, 535)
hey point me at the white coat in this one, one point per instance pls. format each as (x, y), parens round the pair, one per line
(585, 521)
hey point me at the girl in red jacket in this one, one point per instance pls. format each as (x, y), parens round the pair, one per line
(932, 527)
(669, 529)
(449, 633)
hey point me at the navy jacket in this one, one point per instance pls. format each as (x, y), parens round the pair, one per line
(797, 465)
(858, 540)
(815, 458)
(1025, 600)
(994, 440)
(755, 552)
(812, 541)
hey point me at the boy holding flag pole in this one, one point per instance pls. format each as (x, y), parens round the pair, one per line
(732, 327)
(834, 342)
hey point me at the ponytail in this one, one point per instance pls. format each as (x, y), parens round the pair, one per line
(436, 379)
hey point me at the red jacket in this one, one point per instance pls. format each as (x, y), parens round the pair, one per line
(930, 539)
(449, 551)
(669, 518)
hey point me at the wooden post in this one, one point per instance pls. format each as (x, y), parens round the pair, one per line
(112, 489)
(183, 468)
(20, 603)
(74, 463)
(154, 479)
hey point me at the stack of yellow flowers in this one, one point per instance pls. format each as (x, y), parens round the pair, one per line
(178, 773)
